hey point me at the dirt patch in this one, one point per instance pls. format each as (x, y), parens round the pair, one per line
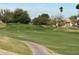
(4, 39)
(4, 52)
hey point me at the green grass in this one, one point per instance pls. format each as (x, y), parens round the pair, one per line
(58, 41)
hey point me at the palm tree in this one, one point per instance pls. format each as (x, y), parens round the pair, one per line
(60, 18)
(77, 7)
(61, 9)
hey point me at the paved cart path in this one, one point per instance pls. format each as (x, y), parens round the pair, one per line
(38, 49)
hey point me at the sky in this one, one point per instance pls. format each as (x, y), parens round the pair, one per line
(35, 9)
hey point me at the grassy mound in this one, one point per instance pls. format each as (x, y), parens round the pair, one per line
(2, 25)
(58, 41)
(13, 45)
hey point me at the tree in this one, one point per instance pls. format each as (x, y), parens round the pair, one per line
(41, 20)
(73, 20)
(21, 16)
(73, 17)
(77, 7)
(15, 16)
(35, 21)
(6, 15)
(59, 21)
(52, 22)
(61, 9)
(45, 15)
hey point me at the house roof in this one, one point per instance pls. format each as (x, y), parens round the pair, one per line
(1, 21)
(67, 20)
